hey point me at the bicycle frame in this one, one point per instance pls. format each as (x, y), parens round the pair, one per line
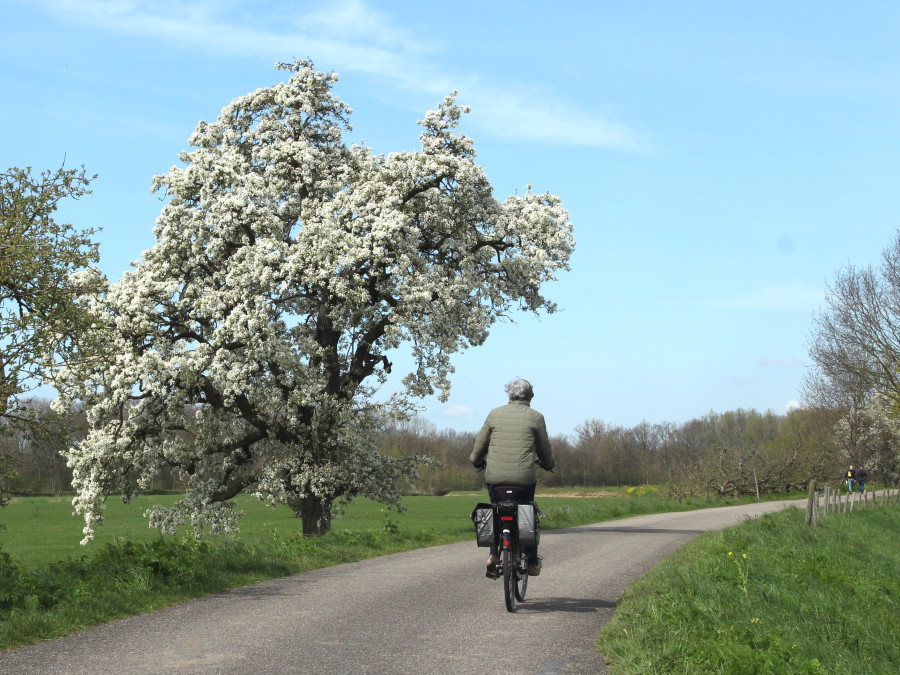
(512, 565)
(509, 536)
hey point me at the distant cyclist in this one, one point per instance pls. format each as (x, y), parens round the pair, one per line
(510, 444)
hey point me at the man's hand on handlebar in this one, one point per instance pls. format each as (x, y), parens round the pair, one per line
(540, 465)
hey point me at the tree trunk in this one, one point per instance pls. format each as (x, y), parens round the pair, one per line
(315, 512)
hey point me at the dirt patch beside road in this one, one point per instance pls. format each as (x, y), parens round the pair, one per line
(588, 495)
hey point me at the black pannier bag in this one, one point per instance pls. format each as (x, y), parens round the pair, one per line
(529, 524)
(483, 518)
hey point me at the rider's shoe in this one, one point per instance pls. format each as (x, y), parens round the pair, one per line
(491, 571)
(534, 568)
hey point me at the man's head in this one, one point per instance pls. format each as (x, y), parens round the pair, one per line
(520, 390)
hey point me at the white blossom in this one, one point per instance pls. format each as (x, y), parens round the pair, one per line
(286, 267)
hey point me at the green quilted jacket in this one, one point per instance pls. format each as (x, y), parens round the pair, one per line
(512, 437)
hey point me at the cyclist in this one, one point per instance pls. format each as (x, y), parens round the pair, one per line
(510, 445)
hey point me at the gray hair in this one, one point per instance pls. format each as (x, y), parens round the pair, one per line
(520, 390)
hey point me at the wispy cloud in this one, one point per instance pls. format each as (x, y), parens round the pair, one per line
(351, 35)
(769, 362)
(797, 298)
(526, 112)
(458, 412)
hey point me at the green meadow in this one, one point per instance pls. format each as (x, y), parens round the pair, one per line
(42, 530)
(768, 596)
(50, 585)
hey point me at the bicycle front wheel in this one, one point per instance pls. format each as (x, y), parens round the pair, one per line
(509, 581)
(521, 584)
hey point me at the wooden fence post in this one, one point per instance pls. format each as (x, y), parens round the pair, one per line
(810, 501)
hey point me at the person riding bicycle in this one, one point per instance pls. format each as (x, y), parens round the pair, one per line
(510, 445)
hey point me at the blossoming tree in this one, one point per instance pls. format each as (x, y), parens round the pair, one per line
(246, 344)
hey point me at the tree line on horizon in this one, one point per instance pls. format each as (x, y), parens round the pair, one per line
(730, 454)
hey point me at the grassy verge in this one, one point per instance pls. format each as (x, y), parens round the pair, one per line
(51, 586)
(768, 596)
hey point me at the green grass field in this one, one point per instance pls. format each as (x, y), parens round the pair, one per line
(42, 530)
(803, 599)
(50, 585)
(769, 596)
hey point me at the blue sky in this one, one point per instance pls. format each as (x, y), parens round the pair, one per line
(719, 160)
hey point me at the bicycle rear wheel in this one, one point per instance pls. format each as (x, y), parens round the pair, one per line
(509, 581)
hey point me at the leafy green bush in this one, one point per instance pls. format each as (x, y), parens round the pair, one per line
(161, 560)
(10, 582)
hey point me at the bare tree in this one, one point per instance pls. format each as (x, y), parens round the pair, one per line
(856, 338)
(855, 345)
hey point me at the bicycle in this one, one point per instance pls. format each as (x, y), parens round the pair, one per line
(498, 524)
(513, 566)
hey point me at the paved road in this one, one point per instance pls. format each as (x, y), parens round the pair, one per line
(428, 611)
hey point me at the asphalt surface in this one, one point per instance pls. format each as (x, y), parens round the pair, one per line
(427, 611)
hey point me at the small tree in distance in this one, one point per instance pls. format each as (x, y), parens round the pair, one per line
(45, 266)
(855, 346)
(246, 344)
